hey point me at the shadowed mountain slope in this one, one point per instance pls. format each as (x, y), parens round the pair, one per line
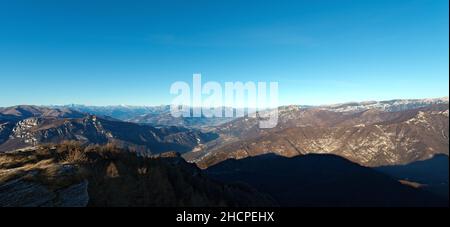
(431, 174)
(321, 180)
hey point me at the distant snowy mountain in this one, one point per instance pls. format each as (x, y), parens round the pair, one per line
(120, 112)
(160, 115)
(150, 115)
(388, 106)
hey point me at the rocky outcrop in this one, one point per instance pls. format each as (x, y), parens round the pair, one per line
(32, 178)
(73, 196)
(23, 193)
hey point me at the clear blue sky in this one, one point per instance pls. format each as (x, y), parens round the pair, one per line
(130, 52)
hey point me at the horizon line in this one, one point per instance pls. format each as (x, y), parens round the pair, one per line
(166, 105)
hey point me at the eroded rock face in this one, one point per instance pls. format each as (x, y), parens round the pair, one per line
(370, 138)
(20, 193)
(23, 193)
(5, 131)
(32, 179)
(73, 196)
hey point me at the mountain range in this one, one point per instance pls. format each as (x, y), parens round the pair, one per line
(150, 115)
(369, 137)
(369, 133)
(28, 126)
(147, 114)
(388, 153)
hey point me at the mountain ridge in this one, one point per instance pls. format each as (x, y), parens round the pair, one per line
(369, 137)
(51, 126)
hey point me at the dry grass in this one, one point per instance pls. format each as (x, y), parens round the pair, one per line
(54, 166)
(76, 156)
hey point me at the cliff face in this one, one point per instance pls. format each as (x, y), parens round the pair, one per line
(30, 178)
(22, 193)
(73, 175)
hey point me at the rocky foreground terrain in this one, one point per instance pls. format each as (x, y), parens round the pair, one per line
(73, 175)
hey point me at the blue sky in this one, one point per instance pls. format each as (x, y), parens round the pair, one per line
(130, 52)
